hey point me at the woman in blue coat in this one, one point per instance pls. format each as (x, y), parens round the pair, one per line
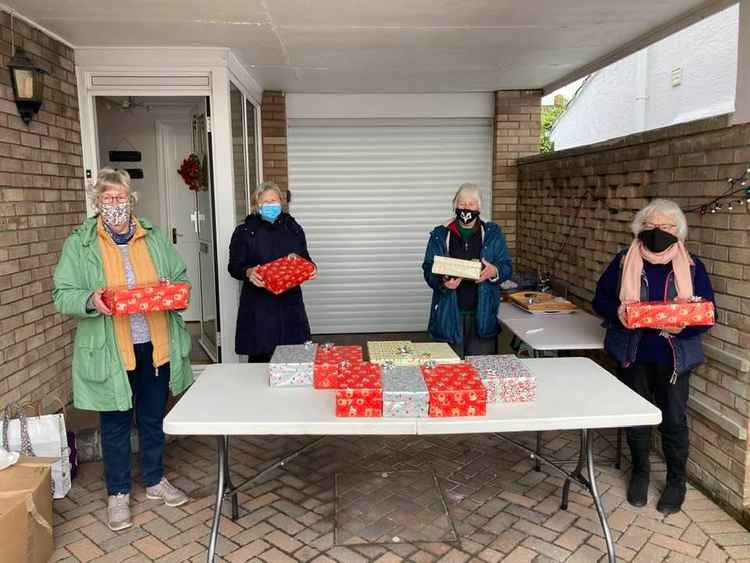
(655, 363)
(265, 320)
(464, 312)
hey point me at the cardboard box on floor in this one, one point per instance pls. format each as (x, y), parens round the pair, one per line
(26, 511)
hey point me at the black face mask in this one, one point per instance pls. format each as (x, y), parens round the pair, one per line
(657, 240)
(466, 216)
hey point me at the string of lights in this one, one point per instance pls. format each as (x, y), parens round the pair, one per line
(738, 193)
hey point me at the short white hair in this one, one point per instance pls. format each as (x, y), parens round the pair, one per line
(264, 187)
(469, 189)
(666, 207)
(107, 178)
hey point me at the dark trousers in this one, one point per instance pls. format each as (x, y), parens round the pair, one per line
(259, 359)
(150, 391)
(651, 381)
(472, 344)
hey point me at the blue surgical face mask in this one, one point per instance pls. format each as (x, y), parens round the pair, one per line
(270, 211)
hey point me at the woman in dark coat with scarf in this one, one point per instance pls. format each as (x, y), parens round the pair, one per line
(655, 363)
(265, 320)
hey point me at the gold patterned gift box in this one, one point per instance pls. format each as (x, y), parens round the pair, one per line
(457, 268)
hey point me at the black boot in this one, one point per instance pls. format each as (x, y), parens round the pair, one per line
(672, 496)
(639, 476)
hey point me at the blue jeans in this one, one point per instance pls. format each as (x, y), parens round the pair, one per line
(150, 392)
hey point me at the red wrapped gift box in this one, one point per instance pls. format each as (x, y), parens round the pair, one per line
(359, 390)
(285, 273)
(455, 390)
(147, 298)
(663, 314)
(328, 361)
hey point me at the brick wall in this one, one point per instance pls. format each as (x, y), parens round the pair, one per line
(517, 128)
(41, 200)
(687, 163)
(273, 126)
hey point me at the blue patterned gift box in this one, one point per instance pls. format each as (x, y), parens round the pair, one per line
(404, 392)
(292, 365)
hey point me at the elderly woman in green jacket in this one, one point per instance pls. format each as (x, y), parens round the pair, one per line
(123, 363)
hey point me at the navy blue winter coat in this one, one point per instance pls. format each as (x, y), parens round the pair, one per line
(445, 324)
(265, 320)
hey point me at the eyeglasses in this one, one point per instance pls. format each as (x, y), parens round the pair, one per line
(120, 198)
(663, 226)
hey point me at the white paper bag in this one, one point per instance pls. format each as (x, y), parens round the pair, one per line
(41, 436)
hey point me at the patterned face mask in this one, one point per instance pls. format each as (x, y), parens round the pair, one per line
(115, 214)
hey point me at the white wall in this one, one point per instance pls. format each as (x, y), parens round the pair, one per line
(608, 105)
(136, 130)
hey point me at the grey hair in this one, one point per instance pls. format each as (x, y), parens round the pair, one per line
(264, 187)
(108, 177)
(665, 206)
(470, 189)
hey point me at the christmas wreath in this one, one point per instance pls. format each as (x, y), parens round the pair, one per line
(191, 172)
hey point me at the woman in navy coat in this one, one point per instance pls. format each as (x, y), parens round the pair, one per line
(265, 320)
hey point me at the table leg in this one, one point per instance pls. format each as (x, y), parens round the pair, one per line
(538, 452)
(576, 474)
(230, 488)
(618, 453)
(221, 457)
(586, 437)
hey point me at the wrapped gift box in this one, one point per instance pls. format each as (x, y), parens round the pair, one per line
(147, 298)
(285, 273)
(329, 360)
(457, 268)
(438, 352)
(662, 314)
(292, 365)
(455, 390)
(404, 392)
(506, 378)
(396, 352)
(359, 390)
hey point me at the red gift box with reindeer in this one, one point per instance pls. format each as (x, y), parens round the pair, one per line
(669, 314)
(455, 390)
(359, 390)
(329, 360)
(285, 273)
(147, 298)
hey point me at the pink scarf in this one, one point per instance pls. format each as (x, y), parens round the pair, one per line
(630, 284)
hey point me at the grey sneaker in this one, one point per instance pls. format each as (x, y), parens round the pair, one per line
(118, 512)
(164, 490)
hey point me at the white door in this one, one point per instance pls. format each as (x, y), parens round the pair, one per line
(175, 142)
(367, 195)
(209, 337)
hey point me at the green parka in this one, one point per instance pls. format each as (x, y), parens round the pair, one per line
(100, 382)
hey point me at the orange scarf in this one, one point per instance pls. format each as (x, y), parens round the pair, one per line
(630, 283)
(145, 272)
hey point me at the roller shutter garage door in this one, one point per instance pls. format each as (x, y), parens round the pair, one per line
(368, 193)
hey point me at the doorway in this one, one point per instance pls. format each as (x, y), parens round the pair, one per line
(150, 137)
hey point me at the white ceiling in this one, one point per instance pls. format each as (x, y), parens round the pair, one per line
(377, 45)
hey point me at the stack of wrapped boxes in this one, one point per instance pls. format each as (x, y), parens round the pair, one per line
(403, 379)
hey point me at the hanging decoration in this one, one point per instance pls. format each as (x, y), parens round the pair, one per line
(738, 193)
(191, 172)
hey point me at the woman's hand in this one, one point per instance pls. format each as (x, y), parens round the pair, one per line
(673, 330)
(98, 302)
(254, 278)
(621, 313)
(488, 272)
(451, 283)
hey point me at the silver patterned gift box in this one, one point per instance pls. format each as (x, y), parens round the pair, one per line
(506, 378)
(404, 392)
(292, 365)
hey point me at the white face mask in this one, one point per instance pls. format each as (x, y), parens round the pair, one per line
(115, 214)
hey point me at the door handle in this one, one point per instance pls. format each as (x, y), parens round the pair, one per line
(175, 234)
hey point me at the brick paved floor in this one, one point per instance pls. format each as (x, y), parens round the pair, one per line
(502, 508)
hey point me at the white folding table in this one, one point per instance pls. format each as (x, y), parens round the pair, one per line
(572, 394)
(575, 330)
